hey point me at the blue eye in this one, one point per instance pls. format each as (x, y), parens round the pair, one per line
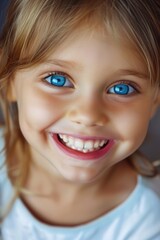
(121, 89)
(58, 80)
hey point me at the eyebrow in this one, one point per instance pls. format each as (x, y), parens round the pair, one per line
(61, 63)
(131, 72)
(71, 64)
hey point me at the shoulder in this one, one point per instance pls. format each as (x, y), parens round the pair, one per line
(149, 186)
(148, 204)
(148, 200)
(152, 185)
(139, 215)
(145, 214)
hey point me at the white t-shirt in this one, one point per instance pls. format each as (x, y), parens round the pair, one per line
(137, 218)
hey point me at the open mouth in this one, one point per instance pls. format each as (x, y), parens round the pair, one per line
(81, 145)
(84, 149)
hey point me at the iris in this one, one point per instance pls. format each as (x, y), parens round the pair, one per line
(57, 80)
(121, 89)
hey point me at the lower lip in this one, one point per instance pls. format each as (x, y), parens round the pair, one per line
(95, 155)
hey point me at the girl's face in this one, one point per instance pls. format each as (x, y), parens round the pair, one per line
(86, 108)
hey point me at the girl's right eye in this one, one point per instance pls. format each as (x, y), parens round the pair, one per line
(58, 80)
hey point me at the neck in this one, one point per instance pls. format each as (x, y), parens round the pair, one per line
(48, 185)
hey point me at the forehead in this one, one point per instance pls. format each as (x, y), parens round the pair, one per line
(89, 40)
(97, 46)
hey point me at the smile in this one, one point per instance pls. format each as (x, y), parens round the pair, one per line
(82, 145)
(80, 148)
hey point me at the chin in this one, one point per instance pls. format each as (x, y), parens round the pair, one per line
(81, 176)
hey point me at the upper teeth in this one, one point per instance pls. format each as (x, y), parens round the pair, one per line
(82, 145)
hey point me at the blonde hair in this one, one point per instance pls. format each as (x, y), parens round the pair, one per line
(35, 28)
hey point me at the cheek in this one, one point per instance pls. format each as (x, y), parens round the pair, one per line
(39, 111)
(132, 123)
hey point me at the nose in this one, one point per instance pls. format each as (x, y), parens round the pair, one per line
(88, 111)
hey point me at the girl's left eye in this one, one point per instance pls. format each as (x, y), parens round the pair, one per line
(58, 80)
(122, 89)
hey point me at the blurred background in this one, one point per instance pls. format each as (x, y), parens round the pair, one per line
(3, 7)
(151, 146)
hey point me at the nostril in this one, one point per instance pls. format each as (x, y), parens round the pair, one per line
(90, 122)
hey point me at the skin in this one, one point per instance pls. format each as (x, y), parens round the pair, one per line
(93, 64)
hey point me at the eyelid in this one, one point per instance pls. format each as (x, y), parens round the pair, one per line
(69, 79)
(57, 72)
(128, 82)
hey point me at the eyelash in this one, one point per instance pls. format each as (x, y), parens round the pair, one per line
(63, 78)
(126, 83)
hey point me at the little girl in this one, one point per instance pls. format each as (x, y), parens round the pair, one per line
(79, 85)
